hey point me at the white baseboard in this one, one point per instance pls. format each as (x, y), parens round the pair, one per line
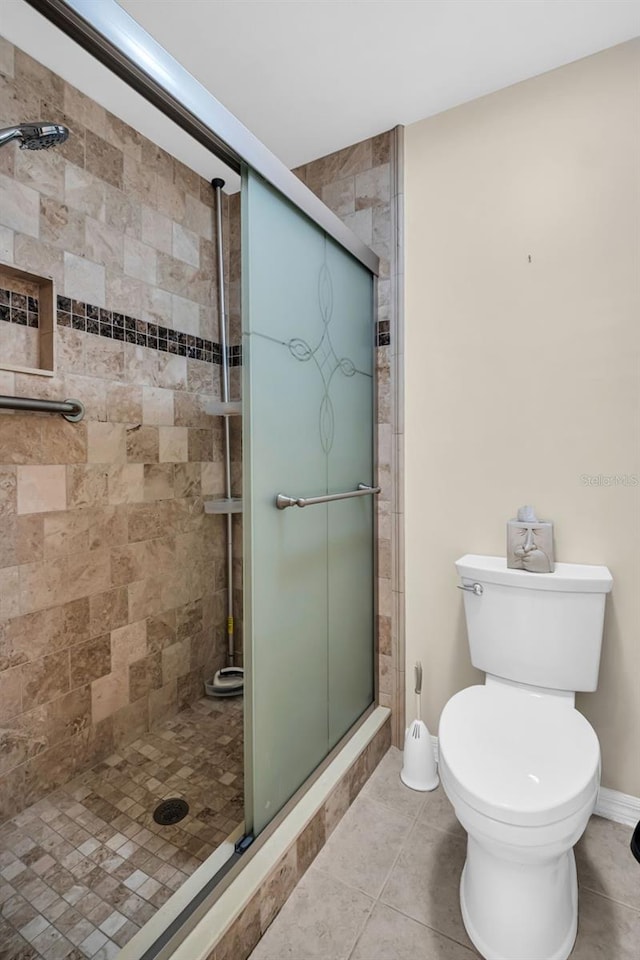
(621, 807)
(611, 804)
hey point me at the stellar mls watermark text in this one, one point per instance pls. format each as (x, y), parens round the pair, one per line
(610, 479)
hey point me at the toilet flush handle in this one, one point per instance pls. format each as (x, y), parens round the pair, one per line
(472, 588)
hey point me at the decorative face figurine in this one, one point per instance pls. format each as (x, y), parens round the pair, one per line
(530, 543)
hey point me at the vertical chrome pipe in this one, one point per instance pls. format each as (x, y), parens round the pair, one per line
(217, 185)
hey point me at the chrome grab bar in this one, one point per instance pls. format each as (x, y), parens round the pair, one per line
(72, 410)
(472, 588)
(282, 501)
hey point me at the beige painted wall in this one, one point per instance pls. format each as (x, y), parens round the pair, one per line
(523, 360)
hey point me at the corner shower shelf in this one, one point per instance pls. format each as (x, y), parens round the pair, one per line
(226, 505)
(217, 408)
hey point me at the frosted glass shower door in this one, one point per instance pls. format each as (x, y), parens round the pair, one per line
(307, 432)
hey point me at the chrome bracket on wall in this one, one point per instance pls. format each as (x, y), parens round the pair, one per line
(364, 490)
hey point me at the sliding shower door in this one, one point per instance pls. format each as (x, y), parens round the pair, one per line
(308, 432)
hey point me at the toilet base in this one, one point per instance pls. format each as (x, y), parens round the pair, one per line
(516, 911)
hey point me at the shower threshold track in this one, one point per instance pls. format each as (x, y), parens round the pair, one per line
(83, 869)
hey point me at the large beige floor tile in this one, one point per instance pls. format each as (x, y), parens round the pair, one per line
(385, 786)
(321, 920)
(353, 856)
(425, 880)
(389, 935)
(438, 812)
(606, 864)
(606, 930)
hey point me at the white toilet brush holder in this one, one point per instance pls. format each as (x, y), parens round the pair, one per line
(419, 767)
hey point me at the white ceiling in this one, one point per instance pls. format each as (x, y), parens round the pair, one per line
(312, 76)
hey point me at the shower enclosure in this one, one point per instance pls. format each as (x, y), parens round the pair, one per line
(306, 637)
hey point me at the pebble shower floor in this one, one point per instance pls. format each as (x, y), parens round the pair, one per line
(82, 870)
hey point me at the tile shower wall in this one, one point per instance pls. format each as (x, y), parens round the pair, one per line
(111, 574)
(361, 185)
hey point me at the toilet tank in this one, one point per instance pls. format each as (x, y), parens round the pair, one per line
(543, 629)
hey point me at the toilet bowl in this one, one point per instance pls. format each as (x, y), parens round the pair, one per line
(522, 772)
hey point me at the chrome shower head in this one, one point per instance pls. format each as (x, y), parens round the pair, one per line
(35, 136)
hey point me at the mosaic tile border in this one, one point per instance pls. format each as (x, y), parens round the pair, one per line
(119, 326)
(19, 308)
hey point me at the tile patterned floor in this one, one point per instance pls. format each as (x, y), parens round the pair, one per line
(385, 886)
(83, 869)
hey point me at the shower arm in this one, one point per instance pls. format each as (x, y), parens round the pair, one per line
(217, 185)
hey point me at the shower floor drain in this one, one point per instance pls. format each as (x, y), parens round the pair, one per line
(171, 811)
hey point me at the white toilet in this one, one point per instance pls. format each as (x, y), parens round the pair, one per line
(519, 763)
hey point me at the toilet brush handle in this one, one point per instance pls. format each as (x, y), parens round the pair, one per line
(418, 689)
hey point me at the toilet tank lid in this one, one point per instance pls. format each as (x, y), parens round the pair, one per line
(571, 577)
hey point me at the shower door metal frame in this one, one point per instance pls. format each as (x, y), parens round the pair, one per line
(107, 31)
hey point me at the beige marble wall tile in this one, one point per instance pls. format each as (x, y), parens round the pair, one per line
(106, 443)
(163, 702)
(128, 644)
(140, 365)
(109, 694)
(35, 635)
(62, 441)
(124, 402)
(172, 371)
(9, 592)
(108, 611)
(139, 260)
(41, 488)
(158, 481)
(340, 196)
(126, 483)
(62, 225)
(84, 192)
(173, 444)
(39, 257)
(157, 406)
(45, 679)
(156, 229)
(198, 216)
(185, 315)
(6, 244)
(104, 160)
(102, 243)
(90, 660)
(20, 442)
(143, 443)
(19, 207)
(43, 170)
(84, 109)
(83, 279)
(124, 293)
(66, 532)
(86, 573)
(10, 693)
(86, 485)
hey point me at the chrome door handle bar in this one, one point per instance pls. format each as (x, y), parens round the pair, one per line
(472, 588)
(364, 490)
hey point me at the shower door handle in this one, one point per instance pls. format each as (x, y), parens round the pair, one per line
(364, 490)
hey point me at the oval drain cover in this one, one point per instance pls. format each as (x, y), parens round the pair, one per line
(171, 811)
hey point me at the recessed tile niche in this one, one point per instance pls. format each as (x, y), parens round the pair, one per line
(27, 322)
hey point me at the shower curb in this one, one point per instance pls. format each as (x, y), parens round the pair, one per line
(233, 925)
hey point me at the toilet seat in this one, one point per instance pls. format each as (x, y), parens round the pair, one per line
(516, 757)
